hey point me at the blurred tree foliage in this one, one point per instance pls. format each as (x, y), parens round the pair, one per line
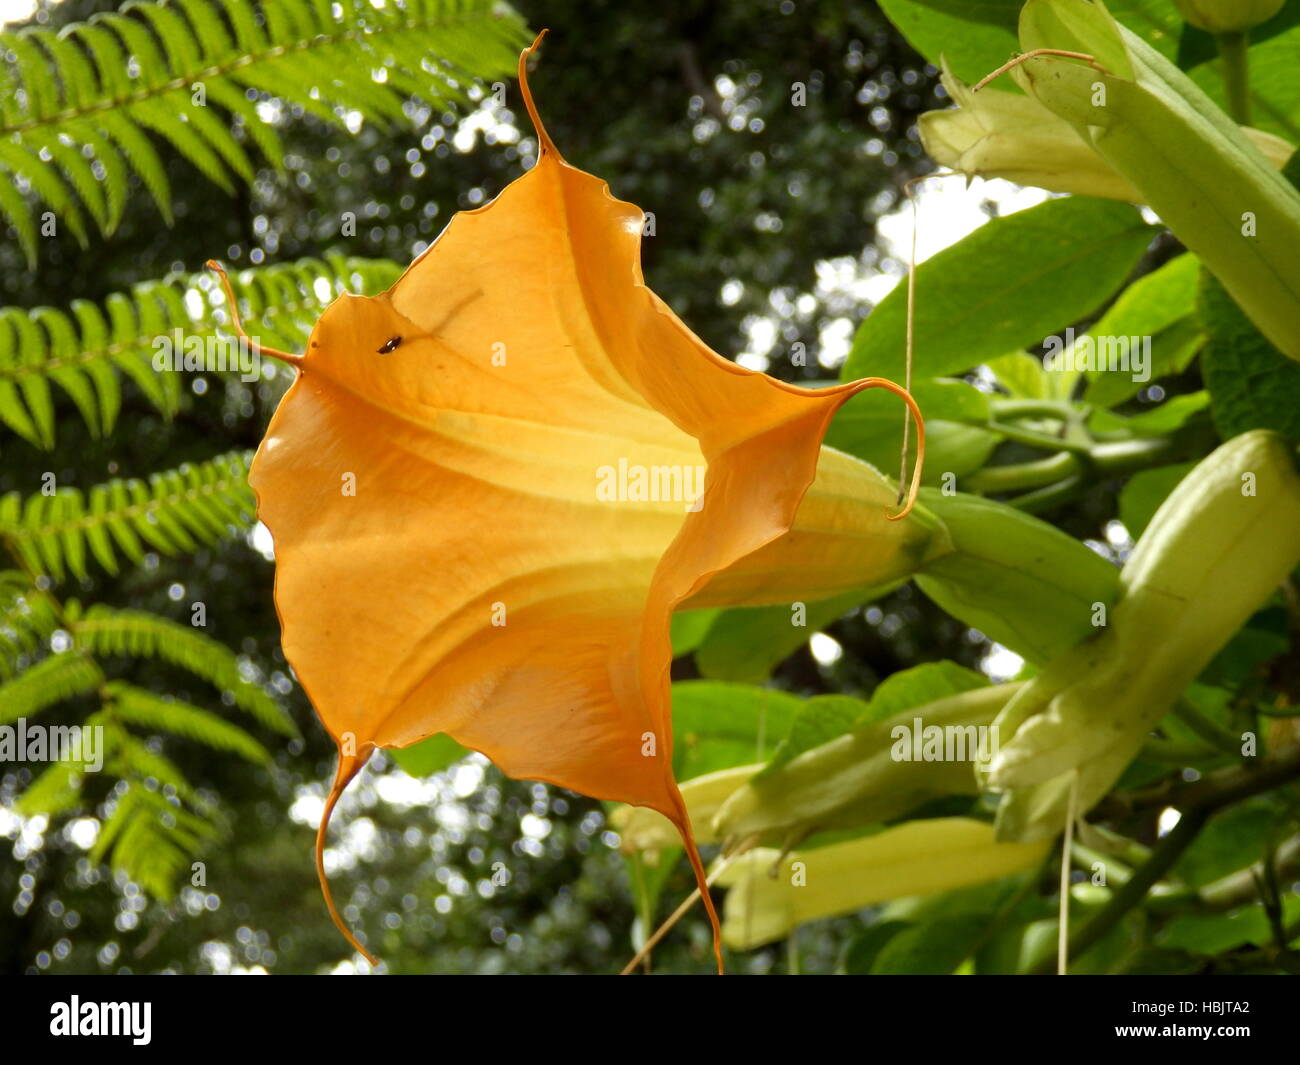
(686, 109)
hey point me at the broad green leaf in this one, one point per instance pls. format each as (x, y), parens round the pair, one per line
(1263, 639)
(1020, 374)
(934, 948)
(1231, 841)
(1006, 286)
(1157, 22)
(429, 756)
(939, 398)
(974, 36)
(823, 718)
(1142, 495)
(689, 628)
(863, 949)
(919, 685)
(1154, 301)
(746, 643)
(819, 721)
(718, 725)
(1252, 385)
(951, 448)
(1158, 306)
(1160, 420)
(982, 34)
(1218, 932)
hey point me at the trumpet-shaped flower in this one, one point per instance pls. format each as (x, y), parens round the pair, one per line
(996, 134)
(1216, 549)
(1209, 183)
(771, 894)
(1228, 16)
(490, 486)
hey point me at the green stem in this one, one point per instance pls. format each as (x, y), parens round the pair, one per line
(1033, 438)
(1053, 495)
(1236, 75)
(1021, 476)
(1201, 800)
(1134, 890)
(1177, 752)
(1047, 482)
(1125, 456)
(1034, 408)
(1219, 738)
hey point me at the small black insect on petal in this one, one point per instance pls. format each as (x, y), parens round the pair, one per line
(390, 345)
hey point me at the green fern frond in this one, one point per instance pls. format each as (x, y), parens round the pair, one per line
(96, 92)
(55, 791)
(174, 512)
(135, 706)
(151, 839)
(133, 757)
(106, 631)
(49, 681)
(28, 617)
(87, 348)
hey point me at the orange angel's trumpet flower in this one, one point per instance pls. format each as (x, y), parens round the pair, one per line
(490, 486)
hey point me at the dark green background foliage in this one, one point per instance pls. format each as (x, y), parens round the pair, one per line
(627, 91)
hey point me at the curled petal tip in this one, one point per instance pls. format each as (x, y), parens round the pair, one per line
(289, 357)
(915, 486)
(545, 144)
(349, 766)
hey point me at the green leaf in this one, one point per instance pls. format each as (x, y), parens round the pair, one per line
(1252, 385)
(1216, 933)
(1021, 375)
(921, 684)
(1158, 306)
(934, 948)
(1142, 495)
(746, 643)
(820, 720)
(1158, 22)
(689, 627)
(1231, 841)
(1154, 301)
(429, 756)
(974, 36)
(55, 791)
(718, 725)
(1005, 287)
(1265, 638)
(149, 838)
(864, 948)
(1160, 420)
(823, 718)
